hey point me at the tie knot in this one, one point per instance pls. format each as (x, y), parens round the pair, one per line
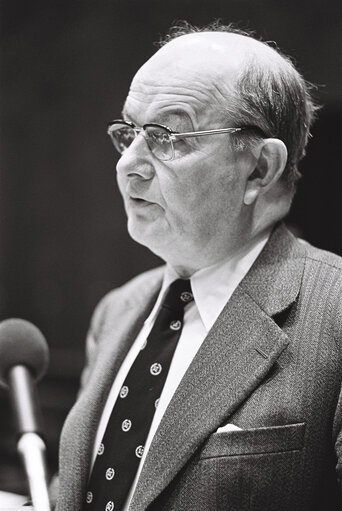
(178, 294)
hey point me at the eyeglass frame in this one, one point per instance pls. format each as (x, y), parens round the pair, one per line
(174, 136)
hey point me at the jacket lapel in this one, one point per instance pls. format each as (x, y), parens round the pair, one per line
(234, 359)
(80, 428)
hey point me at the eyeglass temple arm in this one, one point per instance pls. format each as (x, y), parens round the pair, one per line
(206, 132)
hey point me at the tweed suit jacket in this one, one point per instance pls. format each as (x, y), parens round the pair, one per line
(271, 365)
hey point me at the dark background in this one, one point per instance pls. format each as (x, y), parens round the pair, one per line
(65, 69)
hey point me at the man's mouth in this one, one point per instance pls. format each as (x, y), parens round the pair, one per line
(139, 201)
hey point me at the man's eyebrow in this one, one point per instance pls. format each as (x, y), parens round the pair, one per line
(176, 119)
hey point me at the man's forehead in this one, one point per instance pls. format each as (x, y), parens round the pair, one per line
(195, 70)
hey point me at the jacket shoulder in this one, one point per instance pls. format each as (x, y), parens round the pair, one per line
(111, 307)
(322, 286)
(322, 257)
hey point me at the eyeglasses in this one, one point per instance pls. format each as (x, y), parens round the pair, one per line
(160, 139)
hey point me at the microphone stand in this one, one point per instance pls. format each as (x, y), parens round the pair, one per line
(30, 444)
(32, 450)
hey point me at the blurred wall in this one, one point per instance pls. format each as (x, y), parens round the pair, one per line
(65, 69)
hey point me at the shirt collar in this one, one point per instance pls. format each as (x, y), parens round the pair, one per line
(213, 286)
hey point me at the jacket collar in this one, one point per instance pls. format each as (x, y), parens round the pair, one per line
(275, 278)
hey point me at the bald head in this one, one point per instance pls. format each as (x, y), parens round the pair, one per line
(225, 48)
(216, 59)
(251, 84)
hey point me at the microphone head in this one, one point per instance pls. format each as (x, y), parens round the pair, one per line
(22, 343)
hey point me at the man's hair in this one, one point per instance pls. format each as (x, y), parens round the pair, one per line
(276, 100)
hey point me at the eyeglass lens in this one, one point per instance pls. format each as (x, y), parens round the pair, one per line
(122, 137)
(159, 141)
(157, 138)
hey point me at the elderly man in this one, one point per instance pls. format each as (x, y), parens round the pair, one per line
(214, 381)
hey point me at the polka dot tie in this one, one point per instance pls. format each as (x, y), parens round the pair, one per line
(123, 443)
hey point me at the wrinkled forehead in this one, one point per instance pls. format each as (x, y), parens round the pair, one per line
(193, 73)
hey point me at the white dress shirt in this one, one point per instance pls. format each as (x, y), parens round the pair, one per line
(212, 287)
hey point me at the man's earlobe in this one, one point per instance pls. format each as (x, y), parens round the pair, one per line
(268, 170)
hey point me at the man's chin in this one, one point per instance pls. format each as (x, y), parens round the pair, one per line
(147, 235)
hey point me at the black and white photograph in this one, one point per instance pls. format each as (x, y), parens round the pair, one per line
(170, 255)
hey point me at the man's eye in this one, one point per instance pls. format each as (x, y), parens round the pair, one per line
(159, 137)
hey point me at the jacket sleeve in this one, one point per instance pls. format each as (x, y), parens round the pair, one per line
(91, 349)
(337, 435)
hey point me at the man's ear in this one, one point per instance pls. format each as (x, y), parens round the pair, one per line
(269, 168)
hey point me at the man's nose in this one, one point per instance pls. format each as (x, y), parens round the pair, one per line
(136, 160)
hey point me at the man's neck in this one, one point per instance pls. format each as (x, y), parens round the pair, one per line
(187, 271)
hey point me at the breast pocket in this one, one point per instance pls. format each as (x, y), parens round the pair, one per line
(275, 439)
(255, 469)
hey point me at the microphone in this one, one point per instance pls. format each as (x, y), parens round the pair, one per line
(24, 357)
